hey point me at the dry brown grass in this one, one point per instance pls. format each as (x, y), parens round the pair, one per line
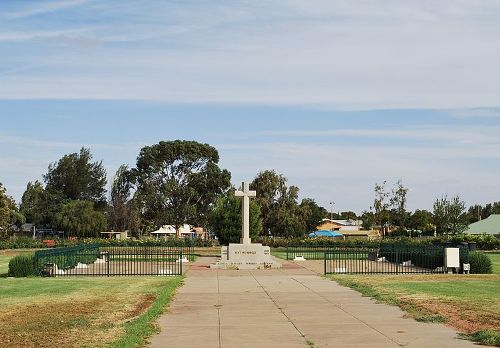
(72, 312)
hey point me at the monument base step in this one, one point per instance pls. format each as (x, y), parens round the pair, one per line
(246, 256)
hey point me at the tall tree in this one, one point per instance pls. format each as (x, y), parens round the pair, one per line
(120, 205)
(398, 202)
(225, 219)
(421, 220)
(36, 205)
(312, 213)
(281, 213)
(449, 215)
(368, 220)
(178, 182)
(381, 205)
(76, 177)
(9, 214)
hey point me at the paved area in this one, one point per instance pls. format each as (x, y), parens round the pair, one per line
(291, 307)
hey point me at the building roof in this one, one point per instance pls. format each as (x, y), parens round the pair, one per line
(490, 225)
(343, 222)
(170, 229)
(325, 233)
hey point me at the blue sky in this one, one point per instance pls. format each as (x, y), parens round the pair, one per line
(335, 95)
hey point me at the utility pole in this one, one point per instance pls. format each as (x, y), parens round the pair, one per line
(331, 210)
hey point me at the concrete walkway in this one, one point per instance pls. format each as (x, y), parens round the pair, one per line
(292, 307)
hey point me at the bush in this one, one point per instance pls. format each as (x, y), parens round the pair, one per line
(480, 263)
(22, 266)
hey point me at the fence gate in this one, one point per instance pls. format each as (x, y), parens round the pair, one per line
(93, 260)
(372, 261)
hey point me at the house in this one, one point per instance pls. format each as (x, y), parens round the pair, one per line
(340, 225)
(166, 231)
(201, 233)
(490, 225)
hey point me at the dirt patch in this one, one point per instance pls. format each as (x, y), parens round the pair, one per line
(140, 307)
(466, 319)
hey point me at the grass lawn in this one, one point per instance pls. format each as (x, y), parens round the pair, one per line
(279, 253)
(469, 303)
(495, 259)
(81, 312)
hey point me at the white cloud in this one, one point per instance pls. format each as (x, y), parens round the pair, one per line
(340, 55)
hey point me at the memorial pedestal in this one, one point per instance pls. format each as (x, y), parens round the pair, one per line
(246, 256)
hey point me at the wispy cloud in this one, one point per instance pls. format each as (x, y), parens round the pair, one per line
(45, 7)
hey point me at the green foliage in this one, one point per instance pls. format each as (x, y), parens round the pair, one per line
(480, 263)
(120, 206)
(225, 219)
(281, 213)
(21, 243)
(487, 337)
(314, 214)
(76, 177)
(22, 266)
(421, 220)
(485, 242)
(9, 215)
(368, 220)
(79, 218)
(450, 216)
(36, 204)
(178, 182)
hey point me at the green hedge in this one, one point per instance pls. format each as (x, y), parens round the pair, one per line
(480, 263)
(21, 243)
(483, 242)
(22, 266)
(29, 243)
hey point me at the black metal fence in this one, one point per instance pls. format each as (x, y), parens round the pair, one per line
(309, 253)
(92, 260)
(396, 260)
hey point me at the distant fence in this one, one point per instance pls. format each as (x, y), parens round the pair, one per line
(394, 260)
(386, 259)
(309, 253)
(93, 260)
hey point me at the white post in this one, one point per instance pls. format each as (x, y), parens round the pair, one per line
(246, 194)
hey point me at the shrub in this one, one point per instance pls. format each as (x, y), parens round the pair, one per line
(21, 243)
(22, 266)
(480, 263)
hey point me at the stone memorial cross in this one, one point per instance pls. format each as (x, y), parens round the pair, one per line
(246, 194)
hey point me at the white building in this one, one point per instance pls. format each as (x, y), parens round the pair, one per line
(169, 230)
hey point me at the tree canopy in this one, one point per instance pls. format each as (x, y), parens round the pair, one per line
(9, 214)
(281, 213)
(76, 177)
(178, 182)
(80, 219)
(449, 215)
(225, 219)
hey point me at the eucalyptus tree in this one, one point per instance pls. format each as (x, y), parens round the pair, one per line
(178, 182)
